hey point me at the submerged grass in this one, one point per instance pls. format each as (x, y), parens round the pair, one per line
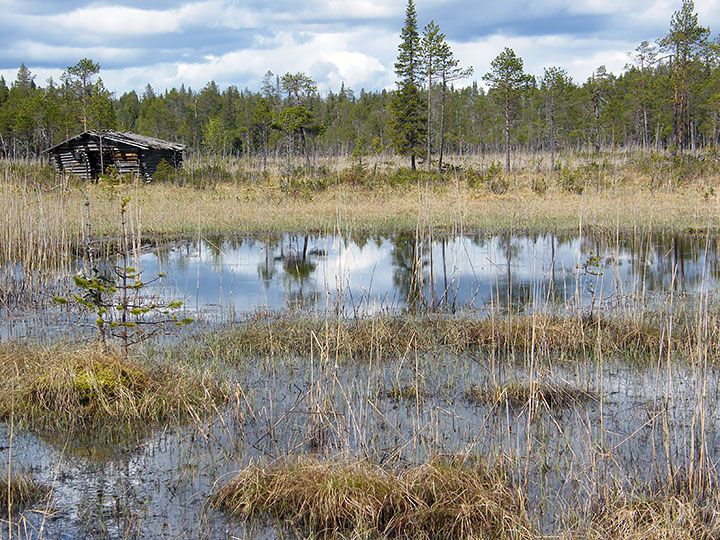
(407, 392)
(445, 498)
(97, 394)
(521, 393)
(17, 492)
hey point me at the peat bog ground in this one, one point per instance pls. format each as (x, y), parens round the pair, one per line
(422, 361)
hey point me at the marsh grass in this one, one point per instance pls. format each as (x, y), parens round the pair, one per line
(99, 396)
(389, 337)
(670, 512)
(18, 492)
(42, 226)
(407, 392)
(522, 393)
(444, 498)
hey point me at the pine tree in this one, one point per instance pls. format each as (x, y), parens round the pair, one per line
(600, 86)
(507, 78)
(408, 122)
(449, 71)
(645, 56)
(269, 88)
(262, 119)
(79, 80)
(684, 42)
(430, 50)
(299, 87)
(554, 86)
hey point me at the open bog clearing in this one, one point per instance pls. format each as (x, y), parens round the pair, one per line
(429, 360)
(357, 287)
(364, 385)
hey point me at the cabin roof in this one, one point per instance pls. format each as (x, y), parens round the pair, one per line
(142, 142)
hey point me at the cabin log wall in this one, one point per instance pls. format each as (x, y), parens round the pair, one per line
(81, 155)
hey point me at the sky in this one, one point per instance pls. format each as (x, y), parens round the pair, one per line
(168, 43)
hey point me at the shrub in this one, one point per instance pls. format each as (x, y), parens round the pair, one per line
(356, 175)
(43, 175)
(571, 181)
(492, 178)
(165, 172)
(539, 185)
(499, 185)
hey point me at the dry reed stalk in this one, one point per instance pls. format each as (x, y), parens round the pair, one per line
(387, 337)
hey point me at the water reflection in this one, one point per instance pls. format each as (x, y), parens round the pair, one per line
(361, 274)
(370, 274)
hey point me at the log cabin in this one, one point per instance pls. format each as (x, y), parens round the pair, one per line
(89, 154)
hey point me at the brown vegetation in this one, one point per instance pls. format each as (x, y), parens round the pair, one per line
(96, 393)
(452, 498)
(17, 492)
(534, 393)
(668, 514)
(390, 337)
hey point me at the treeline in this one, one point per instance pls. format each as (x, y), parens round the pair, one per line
(667, 98)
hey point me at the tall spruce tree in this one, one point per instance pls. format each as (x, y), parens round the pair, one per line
(408, 120)
(4, 90)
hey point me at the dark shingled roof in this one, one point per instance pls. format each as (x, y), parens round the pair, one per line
(132, 139)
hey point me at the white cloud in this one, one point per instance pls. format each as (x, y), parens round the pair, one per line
(353, 68)
(112, 20)
(578, 56)
(100, 21)
(350, 41)
(314, 56)
(365, 9)
(36, 51)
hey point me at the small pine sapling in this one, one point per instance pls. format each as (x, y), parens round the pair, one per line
(117, 301)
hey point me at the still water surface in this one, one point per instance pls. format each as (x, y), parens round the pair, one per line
(370, 274)
(159, 487)
(220, 279)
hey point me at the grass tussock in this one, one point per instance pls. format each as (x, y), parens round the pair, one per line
(522, 393)
(450, 498)
(18, 492)
(392, 337)
(667, 515)
(93, 392)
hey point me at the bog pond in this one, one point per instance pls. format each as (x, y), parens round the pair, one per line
(482, 367)
(221, 279)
